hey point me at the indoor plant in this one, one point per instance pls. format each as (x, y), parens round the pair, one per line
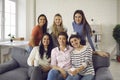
(116, 35)
(11, 37)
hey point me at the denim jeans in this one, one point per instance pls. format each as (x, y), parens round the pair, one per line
(75, 77)
(54, 75)
(29, 49)
(87, 77)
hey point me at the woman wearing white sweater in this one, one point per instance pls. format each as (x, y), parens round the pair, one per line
(40, 56)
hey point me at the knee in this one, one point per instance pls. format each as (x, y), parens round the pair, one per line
(75, 77)
(53, 72)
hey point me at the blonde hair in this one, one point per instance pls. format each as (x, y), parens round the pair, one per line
(55, 30)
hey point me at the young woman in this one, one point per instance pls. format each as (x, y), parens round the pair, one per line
(82, 27)
(81, 58)
(60, 59)
(56, 28)
(40, 56)
(38, 32)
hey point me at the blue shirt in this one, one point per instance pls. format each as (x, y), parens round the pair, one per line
(79, 29)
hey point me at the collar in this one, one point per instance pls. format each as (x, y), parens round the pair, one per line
(67, 48)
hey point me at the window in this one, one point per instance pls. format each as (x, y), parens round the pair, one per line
(0, 17)
(8, 23)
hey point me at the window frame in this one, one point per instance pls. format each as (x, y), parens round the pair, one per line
(3, 21)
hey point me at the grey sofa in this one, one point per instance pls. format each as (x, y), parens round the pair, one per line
(17, 68)
(101, 66)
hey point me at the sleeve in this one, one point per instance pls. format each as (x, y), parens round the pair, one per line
(53, 58)
(34, 31)
(31, 57)
(87, 57)
(73, 26)
(89, 38)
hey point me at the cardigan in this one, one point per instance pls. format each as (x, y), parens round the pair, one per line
(35, 56)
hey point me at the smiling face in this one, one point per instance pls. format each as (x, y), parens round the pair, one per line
(78, 18)
(42, 20)
(57, 20)
(62, 40)
(46, 40)
(75, 42)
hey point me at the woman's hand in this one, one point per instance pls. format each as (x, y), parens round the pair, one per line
(45, 68)
(73, 71)
(102, 53)
(62, 71)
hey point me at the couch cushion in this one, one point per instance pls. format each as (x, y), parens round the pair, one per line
(20, 55)
(103, 74)
(16, 74)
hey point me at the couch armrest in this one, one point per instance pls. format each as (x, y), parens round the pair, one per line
(99, 62)
(103, 74)
(7, 66)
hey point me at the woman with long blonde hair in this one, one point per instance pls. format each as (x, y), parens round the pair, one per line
(56, 28)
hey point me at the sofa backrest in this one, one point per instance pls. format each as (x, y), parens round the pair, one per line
(20, 55)
(99, 61)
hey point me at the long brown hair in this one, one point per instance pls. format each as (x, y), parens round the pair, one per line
(84, 21)
(42, 49)
(44, 28)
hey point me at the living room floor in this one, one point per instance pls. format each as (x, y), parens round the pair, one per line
(115, 69)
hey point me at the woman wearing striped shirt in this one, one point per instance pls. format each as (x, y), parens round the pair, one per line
(81, 59)
(82, 27)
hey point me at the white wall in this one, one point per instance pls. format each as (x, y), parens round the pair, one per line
(118, 11)
(26, 13)
(30, 17)
(104, 12)
(21, 18)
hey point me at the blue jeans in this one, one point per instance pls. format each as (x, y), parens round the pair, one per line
(75, 77)
(29, 49)
(87, 77)
(54, 75)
